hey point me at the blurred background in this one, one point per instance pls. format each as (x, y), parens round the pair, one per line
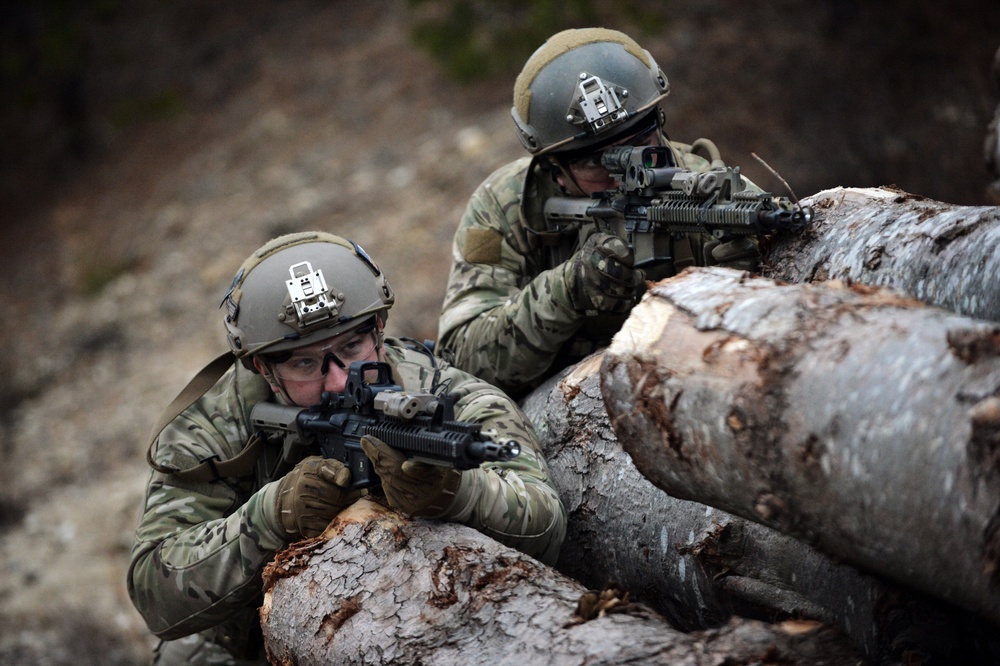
(147, 147)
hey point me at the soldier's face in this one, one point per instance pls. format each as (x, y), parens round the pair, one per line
(307, 372)
(589, 175)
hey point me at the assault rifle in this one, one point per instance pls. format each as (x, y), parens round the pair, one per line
(656, 200)
(421, 425)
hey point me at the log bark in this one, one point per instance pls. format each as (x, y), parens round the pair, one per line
(377, 588)
(859, 421)
(942, 254)
(699, 565)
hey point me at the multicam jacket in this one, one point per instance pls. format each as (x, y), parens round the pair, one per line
(506, 317)
(201, 547)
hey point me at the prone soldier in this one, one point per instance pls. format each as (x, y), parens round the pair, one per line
(528, 295)
(221, 500)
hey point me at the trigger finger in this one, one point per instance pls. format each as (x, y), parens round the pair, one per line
(336, 473)
(339, 476)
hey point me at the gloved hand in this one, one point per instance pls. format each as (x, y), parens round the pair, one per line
(599, 277)
(741, 253)
(415, 488)
(312, 494)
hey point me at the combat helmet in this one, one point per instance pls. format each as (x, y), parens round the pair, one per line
(301, 288)
(584, 88)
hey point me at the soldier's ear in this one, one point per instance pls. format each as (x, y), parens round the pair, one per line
(265, 372)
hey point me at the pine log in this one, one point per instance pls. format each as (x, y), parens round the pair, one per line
(699, 566)
(862, 422)
(942, 254)
(377, 588)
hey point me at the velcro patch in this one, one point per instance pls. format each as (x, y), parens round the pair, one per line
(482, 246)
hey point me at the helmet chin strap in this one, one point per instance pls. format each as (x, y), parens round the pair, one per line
(562, 176)
(277, 386)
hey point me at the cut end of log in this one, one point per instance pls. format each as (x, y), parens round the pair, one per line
(363, 511)
(643, 327)
(588, 367)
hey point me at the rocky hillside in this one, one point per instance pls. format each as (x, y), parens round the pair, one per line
(299, 115)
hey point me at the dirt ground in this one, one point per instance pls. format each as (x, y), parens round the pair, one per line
(301, 115)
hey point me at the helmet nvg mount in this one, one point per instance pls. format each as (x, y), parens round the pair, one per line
(583, 87)
(301, 288)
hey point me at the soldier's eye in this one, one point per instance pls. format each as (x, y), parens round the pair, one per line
(302, 363)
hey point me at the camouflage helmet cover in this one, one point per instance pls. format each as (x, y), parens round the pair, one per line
(300, 288)
(583, 86)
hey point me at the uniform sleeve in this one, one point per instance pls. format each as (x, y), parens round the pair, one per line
(515, 502)
(502, 321)
(192, 566)
(200, 548)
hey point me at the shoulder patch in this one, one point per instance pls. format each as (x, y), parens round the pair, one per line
(482, 246)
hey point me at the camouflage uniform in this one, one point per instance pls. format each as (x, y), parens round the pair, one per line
(506, 317)
(201, 547)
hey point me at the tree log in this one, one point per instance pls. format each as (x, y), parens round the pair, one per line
(859, 421)
(377, 588)
(700, 566)
(942, 254)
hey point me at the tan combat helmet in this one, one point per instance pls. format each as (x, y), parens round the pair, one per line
(583, 87)
(301, 288)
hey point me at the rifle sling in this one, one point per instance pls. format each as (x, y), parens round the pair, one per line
(210, 469)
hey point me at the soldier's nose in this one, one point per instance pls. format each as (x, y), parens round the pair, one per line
(335, 379)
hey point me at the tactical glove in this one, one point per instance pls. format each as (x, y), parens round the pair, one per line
(311, 495)
(599, 277)
(415, 488)
(741, 254)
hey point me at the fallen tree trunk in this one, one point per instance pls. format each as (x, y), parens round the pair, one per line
(699, 566)
(941, 254)
(854, 419)
(377, 588)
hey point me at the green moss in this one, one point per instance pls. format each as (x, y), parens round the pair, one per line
(164, 105)
(95, 275)
(475, 39)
